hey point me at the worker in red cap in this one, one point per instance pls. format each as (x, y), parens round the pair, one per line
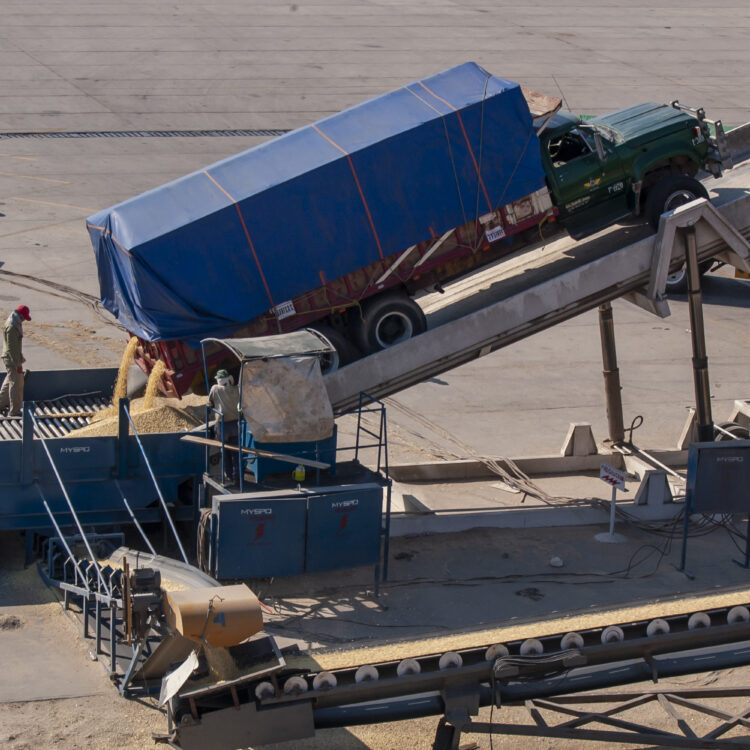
(11, 394)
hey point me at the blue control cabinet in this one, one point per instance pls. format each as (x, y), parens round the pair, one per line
(718, 477)
(343, 529)
(718, 481)
(258, 537)
(289, 532)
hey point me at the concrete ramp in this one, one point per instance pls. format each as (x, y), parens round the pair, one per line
(549, 291)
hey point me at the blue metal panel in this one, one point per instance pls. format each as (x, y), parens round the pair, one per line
(718, 479)
(10, 461)
(343, 528)
(95, 502)
(321, 450)
(87, 467)
(259, 537)
(321, 202)
(76, 458)
(172, 455)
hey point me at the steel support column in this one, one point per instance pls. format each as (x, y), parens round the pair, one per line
(612, 388)
(704, 420)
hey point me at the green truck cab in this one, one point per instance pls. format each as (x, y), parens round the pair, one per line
(641, 160)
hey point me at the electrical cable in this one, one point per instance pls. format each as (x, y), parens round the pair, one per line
(513, 475)
(203, 538)
(703, 526)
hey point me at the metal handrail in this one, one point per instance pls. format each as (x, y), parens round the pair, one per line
(30, 411)
(381, 436)
(376, 405)
(220, 414)
(134, 519)
(726, 432)
(64, 541)
(163, 502)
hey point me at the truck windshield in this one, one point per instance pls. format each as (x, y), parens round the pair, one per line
(585, 133)
(605, 131)
(570, 146)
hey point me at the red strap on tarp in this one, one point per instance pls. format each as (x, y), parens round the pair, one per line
(359, 187)
(247, 235)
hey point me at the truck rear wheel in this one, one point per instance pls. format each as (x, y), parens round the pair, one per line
(677, 281)
(345, 352)
(671, 192)
(388, 320)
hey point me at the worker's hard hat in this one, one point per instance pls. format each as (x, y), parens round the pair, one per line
(23, 311)
(222, 374)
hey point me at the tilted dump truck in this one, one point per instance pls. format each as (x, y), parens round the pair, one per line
(337, 225)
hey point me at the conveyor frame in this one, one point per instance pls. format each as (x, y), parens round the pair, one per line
(637, 272)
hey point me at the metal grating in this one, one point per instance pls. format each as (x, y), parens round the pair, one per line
(11, 428)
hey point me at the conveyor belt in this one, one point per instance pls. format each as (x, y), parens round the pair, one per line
(509, 667)
(11, 428)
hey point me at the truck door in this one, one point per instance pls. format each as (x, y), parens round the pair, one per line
(590, 192)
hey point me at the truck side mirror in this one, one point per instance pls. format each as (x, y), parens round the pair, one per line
(600, 152)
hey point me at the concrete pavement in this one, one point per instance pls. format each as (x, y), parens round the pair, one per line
(268, 65)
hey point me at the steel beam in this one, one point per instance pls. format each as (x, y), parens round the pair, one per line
(612, 388)
(704, 420)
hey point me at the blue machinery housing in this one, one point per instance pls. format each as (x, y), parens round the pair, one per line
(96, 472)
(105, 478)
(287, 533)
(51, 485)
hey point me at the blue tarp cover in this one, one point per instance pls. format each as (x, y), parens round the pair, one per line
(205, 254)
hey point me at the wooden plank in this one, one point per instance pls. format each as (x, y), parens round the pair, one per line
(258, 452)
(63, 414)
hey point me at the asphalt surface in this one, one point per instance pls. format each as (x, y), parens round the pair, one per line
(265, 65)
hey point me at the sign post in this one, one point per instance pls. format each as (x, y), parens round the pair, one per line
(616, 479)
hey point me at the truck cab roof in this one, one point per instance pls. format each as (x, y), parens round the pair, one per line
(640, 119)
(633, 125)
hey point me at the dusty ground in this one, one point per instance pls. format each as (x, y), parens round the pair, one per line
(43, 655)
(95, 722)
(437, 598)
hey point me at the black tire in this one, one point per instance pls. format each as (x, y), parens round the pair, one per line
(345, 352)
(671, 192)
(677, 282)
(387, 320)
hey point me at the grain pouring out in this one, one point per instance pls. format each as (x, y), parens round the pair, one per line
(152, 387)
(151, 413)
(121, 384)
